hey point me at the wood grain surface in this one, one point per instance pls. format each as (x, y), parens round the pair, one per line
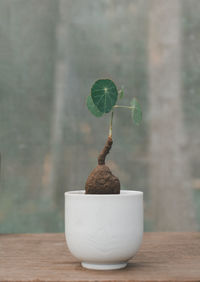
(45, 257)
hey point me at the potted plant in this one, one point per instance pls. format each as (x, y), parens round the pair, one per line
(103, 225)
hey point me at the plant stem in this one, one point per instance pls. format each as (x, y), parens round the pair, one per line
(110, 128)
(127, 107)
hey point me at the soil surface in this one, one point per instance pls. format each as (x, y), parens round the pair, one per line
(101, 180)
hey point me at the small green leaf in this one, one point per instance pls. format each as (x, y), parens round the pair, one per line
(121, 93)
(92, 108)
(136, 111)
(104, 95)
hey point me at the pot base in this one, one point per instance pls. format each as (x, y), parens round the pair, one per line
(103, 266)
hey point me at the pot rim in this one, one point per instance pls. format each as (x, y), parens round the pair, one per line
(123, 193)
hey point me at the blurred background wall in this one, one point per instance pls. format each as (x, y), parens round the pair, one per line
(51, 52)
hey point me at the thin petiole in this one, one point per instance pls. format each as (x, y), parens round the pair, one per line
(126, 107)
(110, 128)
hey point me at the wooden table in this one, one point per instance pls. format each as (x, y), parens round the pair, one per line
(45, 257)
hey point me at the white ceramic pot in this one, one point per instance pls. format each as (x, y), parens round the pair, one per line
(104, 231)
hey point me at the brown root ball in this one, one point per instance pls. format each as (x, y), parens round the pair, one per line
(102, 181)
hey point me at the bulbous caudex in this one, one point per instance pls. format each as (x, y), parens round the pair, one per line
(101, 180)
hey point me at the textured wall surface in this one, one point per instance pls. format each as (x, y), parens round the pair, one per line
(51, 52)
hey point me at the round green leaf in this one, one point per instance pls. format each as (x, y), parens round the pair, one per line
(92, 108)
(104, 95)
(136, 111)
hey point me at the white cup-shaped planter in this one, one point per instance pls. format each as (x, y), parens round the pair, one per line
(104, 231)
